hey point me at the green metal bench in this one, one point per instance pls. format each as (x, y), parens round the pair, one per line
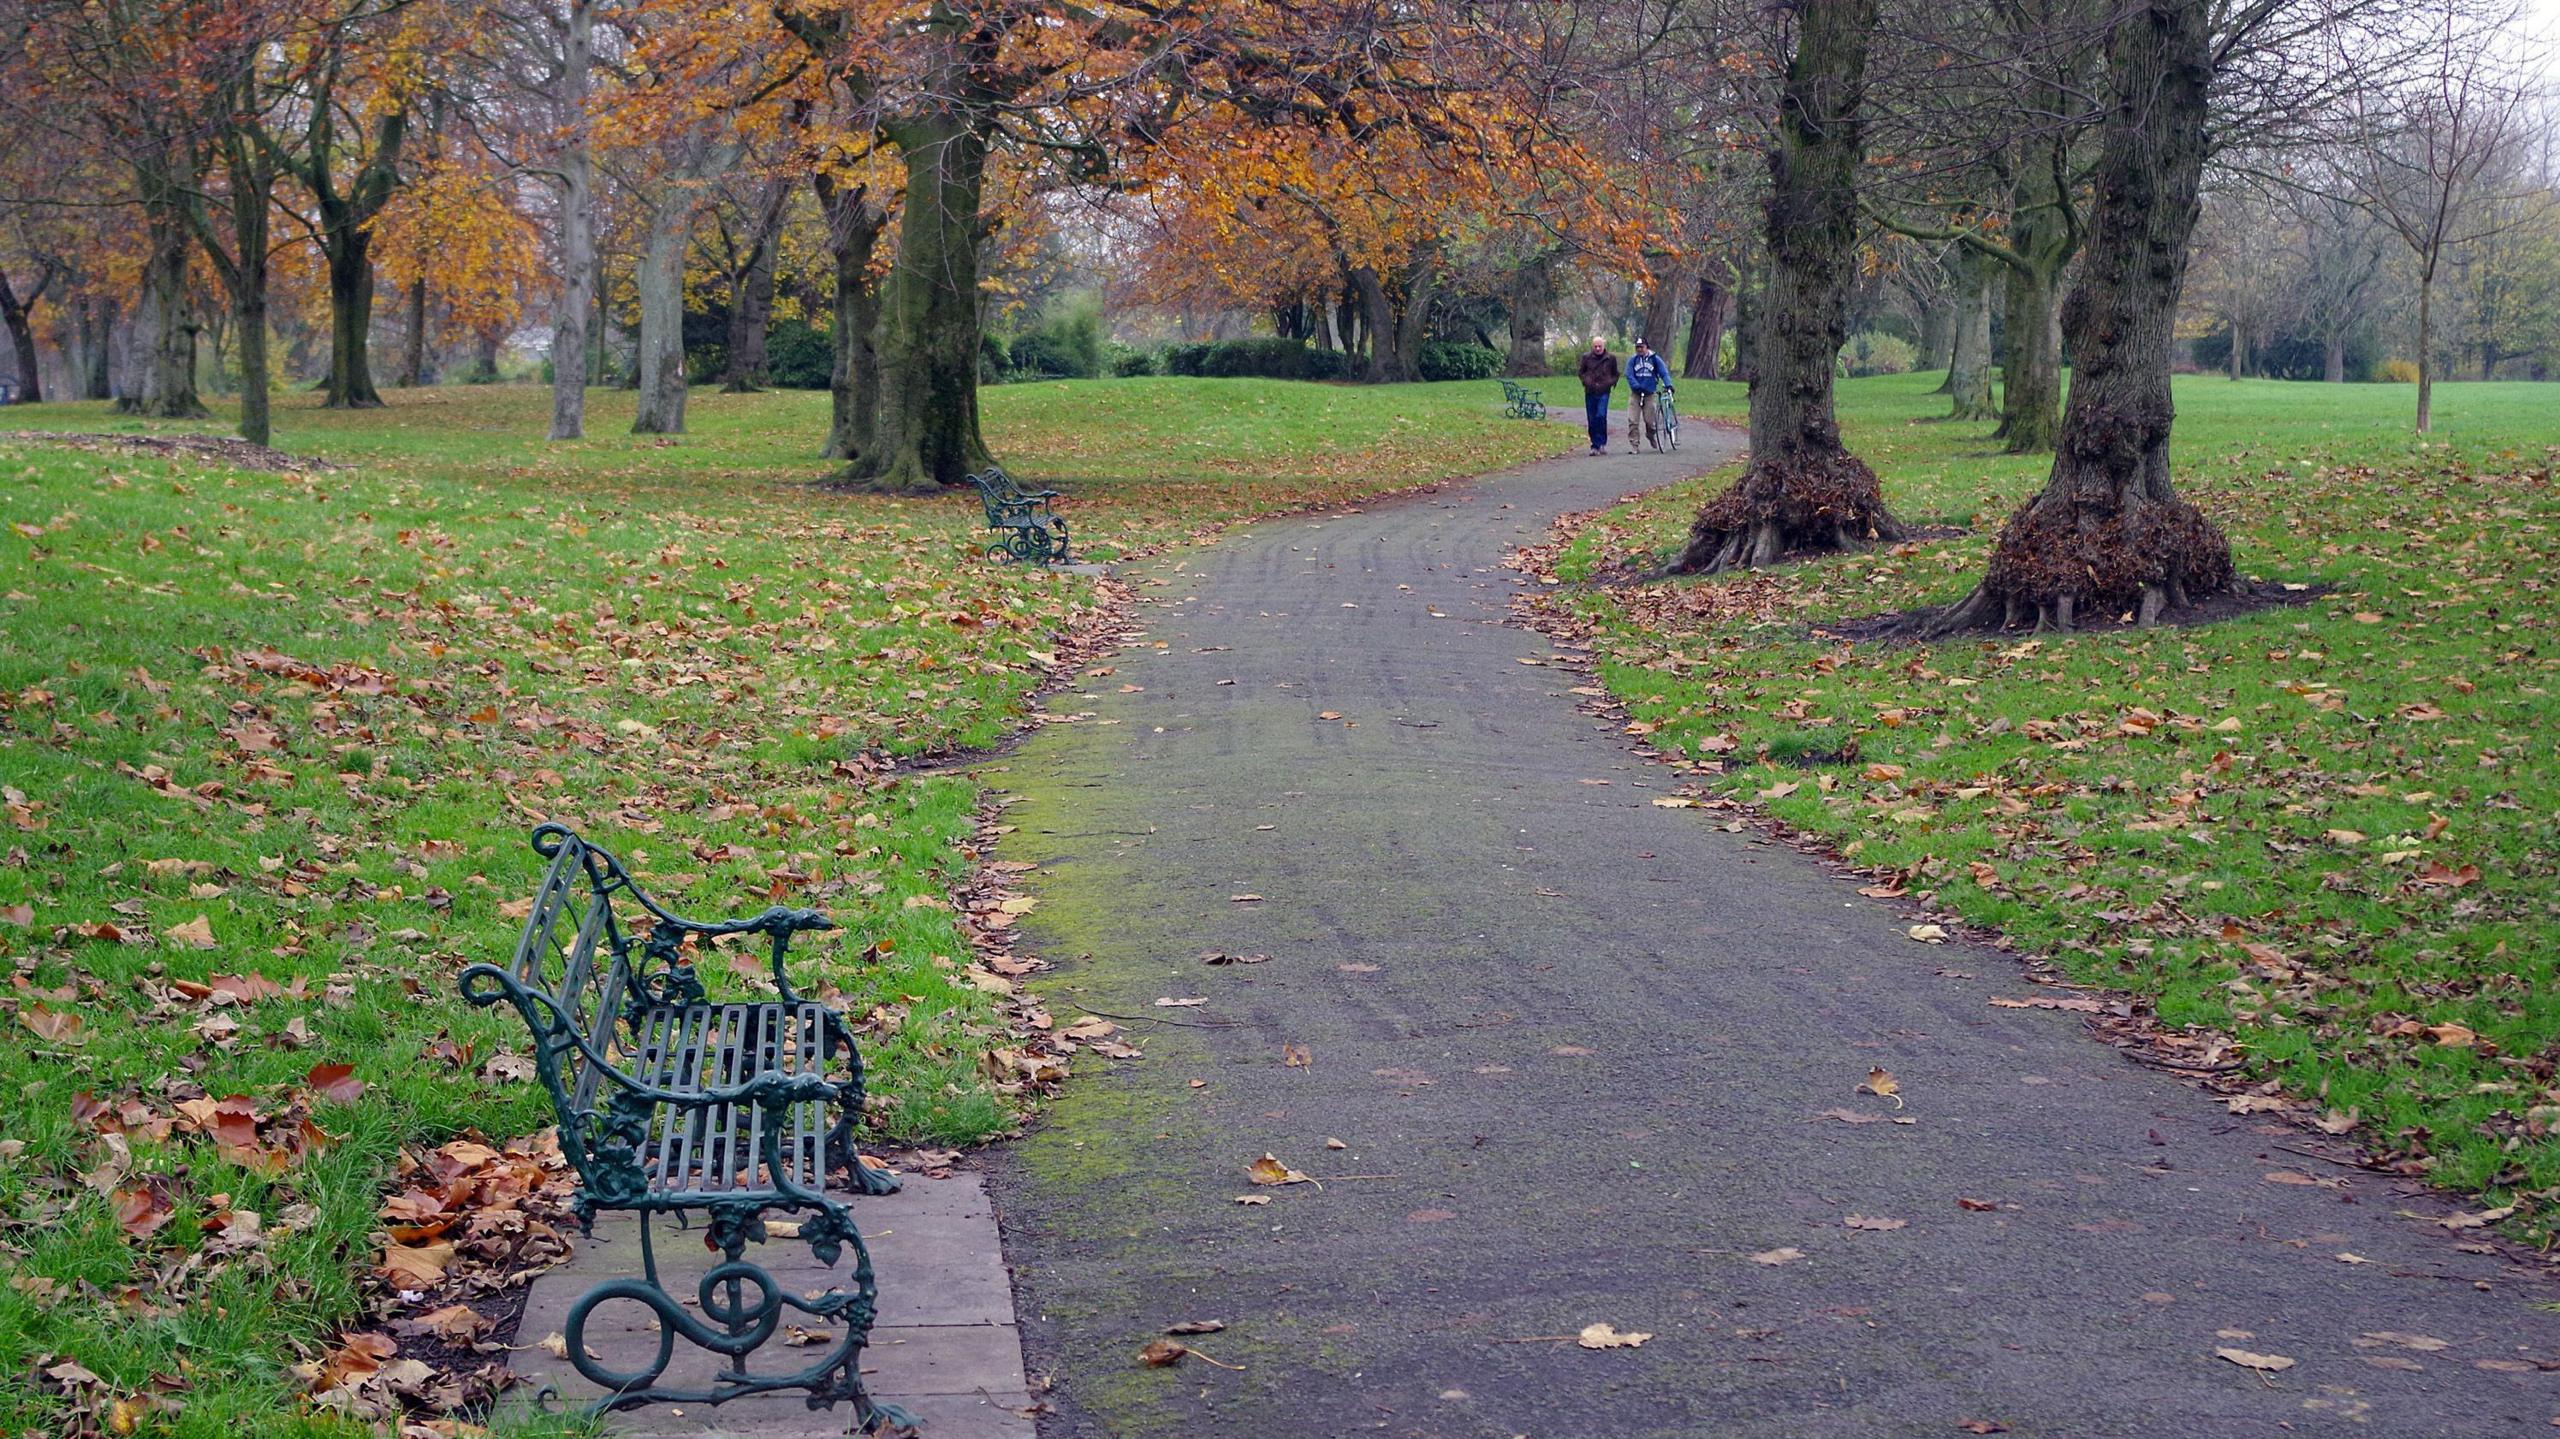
(1523, 403)
(1026, 529)
(672, 1104)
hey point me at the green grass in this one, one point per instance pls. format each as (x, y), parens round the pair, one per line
(681, 648)
(2269, 826)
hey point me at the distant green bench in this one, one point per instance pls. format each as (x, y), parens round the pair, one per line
(1026, 529)
(1523, 403)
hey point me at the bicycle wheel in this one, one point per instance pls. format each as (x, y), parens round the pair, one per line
(1670, 425)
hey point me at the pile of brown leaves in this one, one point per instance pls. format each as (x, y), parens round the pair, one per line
(465, 1230)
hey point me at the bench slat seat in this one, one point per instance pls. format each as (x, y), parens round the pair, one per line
(718, 1150)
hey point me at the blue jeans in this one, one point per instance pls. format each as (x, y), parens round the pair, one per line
(1595, 411)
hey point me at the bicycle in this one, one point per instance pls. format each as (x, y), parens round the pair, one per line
(1670, 419)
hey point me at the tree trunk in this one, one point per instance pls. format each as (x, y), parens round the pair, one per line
(97, 348)
(166, 338)
(1381, 326)
(661, 285)
(1413, 320)
(2239, 351)
(751, 299)
(2426, 351)
(2031, 372)
(1938, 335)
(1706, 331)
(1661, 312)
(2108, 535)
(1804, 491)
(257, 416)
(1746, 331)
(577, 298)
(853, 232)
(22, 338)
(350, 252)
(1533, 296)
(1969, 366)
(413, 353)
(929, 323)
(2333, 360)
(484, 355)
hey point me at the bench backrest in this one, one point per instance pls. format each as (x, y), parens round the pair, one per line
(573, 952)
(998, 492)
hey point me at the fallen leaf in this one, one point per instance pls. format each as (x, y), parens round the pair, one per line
(1181, 1003)
(1777, 1256)
(1850, 1116)
(2423, 1343)
(196, 933)
(1861, 1221)
(2264, 1363)
(2481, 1220)
(1881, 1083)
(1269, 1170)
(1196, 1326)
(1161, 1354)
(337, 1081)
(1928, 933)
(51, 1026)
(1603, 1336)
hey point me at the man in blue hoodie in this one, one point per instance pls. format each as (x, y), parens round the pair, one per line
(1648, 375)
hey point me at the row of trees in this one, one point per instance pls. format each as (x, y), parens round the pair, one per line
(1362, 174)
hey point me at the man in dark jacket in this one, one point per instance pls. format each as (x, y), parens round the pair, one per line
(1599, 371)
(1648, 375)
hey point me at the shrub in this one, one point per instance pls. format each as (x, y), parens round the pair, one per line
(799, 356)
(2396, 371)
(1264, 358)
(1444, 361)
(1127, 363)
(1066, 345)
(995, 358)
(1872, 352)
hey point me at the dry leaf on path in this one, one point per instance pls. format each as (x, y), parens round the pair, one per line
(1196, 1326)
(1603, 1336)
(1269, 1170)
(1928, 933)
(2263, 1363)
(1777, 1256)
(1881, 1083)
(1861, 1221)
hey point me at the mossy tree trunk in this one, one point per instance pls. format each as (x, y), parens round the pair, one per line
(2109, 534)
(927, 429)
(570, 355)
(165, 341)
(854, 224)
(1804, 492)
(660, 281)
(2044, 234)
(1969, 367)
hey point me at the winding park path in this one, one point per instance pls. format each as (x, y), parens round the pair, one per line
(1586, 1057)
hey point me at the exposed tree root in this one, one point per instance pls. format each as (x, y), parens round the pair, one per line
(1819, 503)
(2053, 566)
